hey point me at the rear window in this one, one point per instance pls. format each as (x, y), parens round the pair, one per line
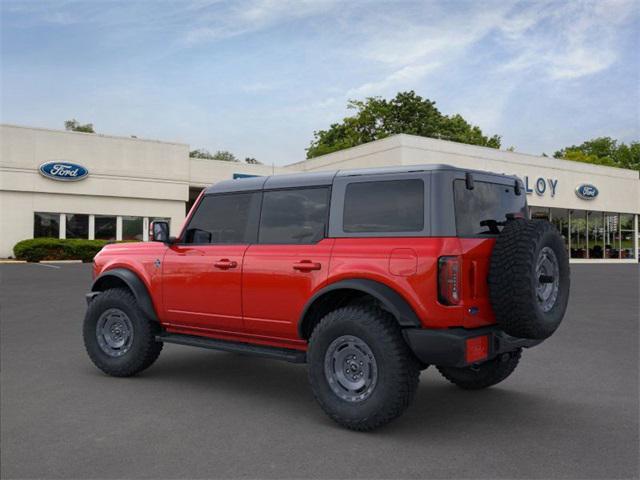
(384, 206)
(482, 210)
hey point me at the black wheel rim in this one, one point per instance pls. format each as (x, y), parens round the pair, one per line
(548, 279)
(114, 332)
(350, 368)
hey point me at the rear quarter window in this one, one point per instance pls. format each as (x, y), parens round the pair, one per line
(384, 206)
(480, 211)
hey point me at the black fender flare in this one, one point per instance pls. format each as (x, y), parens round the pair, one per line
(135, 284)
(391, 300)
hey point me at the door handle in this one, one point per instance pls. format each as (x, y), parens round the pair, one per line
(306, 266)
(225, 264)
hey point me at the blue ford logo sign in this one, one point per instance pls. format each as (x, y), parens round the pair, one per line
(64, 171)
(586, 191)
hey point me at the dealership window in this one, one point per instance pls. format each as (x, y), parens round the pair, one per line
(105, 227)
(627, 233)
(560, 220)
(541, 213)
(578, 236)
(595, 234)
(296, 216)
(384, 206)
(132, 228)
(46, 225)
(611, 235)
(77, 226)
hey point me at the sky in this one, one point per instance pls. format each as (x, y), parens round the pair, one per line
(258, 77)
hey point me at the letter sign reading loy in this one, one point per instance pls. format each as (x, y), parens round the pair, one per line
(63, 171)
(541, 186)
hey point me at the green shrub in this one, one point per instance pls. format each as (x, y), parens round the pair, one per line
(36, 249)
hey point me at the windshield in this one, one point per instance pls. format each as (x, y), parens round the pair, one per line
(483, 210)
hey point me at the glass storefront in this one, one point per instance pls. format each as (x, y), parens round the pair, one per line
(587, 234)
(592, 234)
(86, 226)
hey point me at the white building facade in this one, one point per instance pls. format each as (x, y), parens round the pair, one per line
(77, 185)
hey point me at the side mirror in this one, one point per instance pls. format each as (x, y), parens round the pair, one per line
(159, 232)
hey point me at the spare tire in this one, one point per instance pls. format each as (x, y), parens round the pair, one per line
(529, 278)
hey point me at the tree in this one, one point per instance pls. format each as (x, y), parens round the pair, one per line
(604, 151)
(201, 153)
(377, 118)
(75, 126)
(225, 156)
(219, 155)
(252, 161)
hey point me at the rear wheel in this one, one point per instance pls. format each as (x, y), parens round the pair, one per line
(360, 368)
(484, 375)
(119, 339)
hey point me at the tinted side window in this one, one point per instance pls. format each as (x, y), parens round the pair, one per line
(220, 219)
(488, 203)
(384, 206)
(295, 216)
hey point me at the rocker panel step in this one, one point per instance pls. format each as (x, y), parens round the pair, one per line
(286, 354)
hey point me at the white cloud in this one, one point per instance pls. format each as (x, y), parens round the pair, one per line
(405, 77)
(564, 41)
(250, 16)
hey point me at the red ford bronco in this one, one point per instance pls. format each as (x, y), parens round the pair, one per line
(368, 276)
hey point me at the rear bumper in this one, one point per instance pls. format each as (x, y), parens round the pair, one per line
(448, 347)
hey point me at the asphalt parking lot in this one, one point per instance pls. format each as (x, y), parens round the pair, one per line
(569, 411)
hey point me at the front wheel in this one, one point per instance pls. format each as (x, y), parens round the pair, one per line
(361, 371)
(118, 338)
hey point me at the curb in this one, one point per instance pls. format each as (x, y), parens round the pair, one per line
(60, 261)
(9, 261)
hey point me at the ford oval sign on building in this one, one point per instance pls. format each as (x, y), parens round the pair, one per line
(63, 171)
(586, 191)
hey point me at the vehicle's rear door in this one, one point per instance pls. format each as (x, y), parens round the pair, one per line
(202, 273)
(290, 260)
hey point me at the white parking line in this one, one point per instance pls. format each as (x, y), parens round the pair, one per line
(47, 265)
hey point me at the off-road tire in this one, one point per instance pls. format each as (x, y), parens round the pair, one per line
(144, 349)
(397, 369)
(484, 375)
(513, 280)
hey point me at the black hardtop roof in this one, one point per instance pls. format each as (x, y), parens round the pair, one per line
(323, 178)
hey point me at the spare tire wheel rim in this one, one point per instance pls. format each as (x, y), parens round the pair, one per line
(350, 368)
(547, 279)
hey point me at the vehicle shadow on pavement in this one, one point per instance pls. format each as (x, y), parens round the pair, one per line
(439, 409)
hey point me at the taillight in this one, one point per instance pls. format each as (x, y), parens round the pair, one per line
(449, 280)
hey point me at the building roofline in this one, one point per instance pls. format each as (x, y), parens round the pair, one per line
(117, 137)
(526, 158)
(353, 149)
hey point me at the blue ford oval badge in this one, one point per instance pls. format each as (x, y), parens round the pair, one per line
(586, 191)
(63, 171)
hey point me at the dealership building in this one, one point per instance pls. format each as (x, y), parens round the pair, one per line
(79, 185)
